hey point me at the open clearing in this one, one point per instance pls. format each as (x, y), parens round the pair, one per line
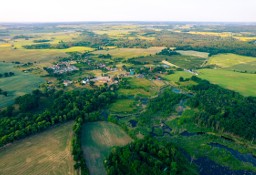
(239, 82)
(45, 153)
(234, 62)
(19, 84)
(130, 52)
(97, 140)
(123, 105)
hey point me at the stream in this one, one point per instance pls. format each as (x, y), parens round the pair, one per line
(242, 157)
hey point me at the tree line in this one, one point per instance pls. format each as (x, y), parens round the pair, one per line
(224, 110)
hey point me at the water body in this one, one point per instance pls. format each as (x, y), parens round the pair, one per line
(188, 134)
(209, 167)
(133, 123)
(242, 157)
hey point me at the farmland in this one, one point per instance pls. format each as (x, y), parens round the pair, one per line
(130, 52)
(239, 82)
(45, 153)
(97, 140)
(44, 57)
(234, 62)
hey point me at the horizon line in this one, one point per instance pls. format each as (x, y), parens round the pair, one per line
(119, 21)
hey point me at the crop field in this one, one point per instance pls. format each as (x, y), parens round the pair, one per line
(184, 61)
(188, 62)
(123, 106)
(44, 57)
(130, 52)
(234, 62)
(45, 153)
(19, 84)
(239, 82)
(193, 53)
(97, 140)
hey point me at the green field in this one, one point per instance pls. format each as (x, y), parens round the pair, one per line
(234, 62)
(239, 82)
(175, 77)
(130, 52)
(133, 92)
(123, 105)
(97, 140)
(20, 84)
(45, 153)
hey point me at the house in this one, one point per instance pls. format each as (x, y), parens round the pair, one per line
(85, 81)
(67, 82)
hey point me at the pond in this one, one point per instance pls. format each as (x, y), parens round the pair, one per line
(133, 123)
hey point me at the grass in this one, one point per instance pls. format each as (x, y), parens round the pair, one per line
(45, 153)
(133, 92)
(230, 61)
(97, 140)
(176, 76)
(243, 83)
(122, 106)
(18, 85)
(130, 52)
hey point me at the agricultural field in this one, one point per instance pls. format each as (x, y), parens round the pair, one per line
(48, 152)
(130, 52)
(42, 57)
(19, 84)
(234, 62)
(240, 82)
(193, 53)
(97, 140)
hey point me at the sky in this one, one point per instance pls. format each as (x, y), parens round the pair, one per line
(127, 10)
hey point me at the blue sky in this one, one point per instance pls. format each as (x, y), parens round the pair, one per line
(127, 10)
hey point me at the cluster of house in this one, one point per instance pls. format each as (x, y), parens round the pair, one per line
(63, 67)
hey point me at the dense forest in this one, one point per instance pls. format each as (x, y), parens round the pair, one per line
(148, 156)
(224, 110)
(39, 111)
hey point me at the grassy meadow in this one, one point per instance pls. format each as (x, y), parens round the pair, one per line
(97, 140)
(123, 106)
(239, 82)
(45, 153)
(19, 84)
